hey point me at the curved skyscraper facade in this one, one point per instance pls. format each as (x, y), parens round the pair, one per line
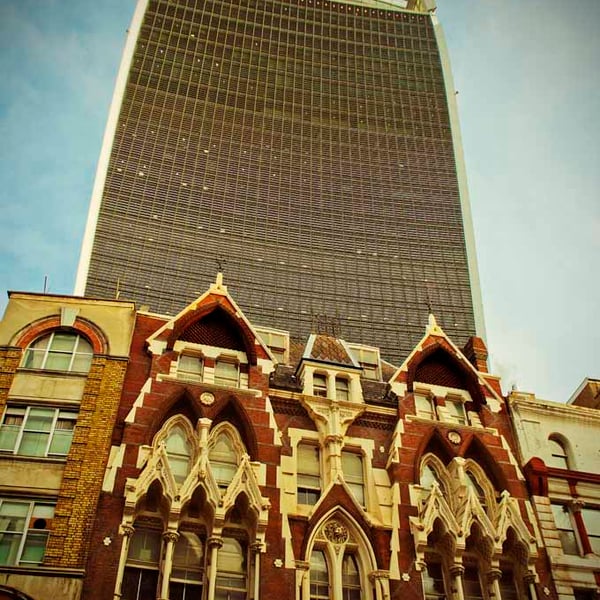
(307, 148)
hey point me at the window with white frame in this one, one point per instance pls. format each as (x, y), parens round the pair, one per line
(353, 468)
(566, 531)
(223, 460)
(37, 431)
(342, 389)
(277, 341)
(24, 530)
(319, 576)
(231, 580)
(188, 567)
(455, 411)
(368, 359)
(227, 372)
(591, 521)
(140, 578)
(424, 407)
(190, 367)
(351, 588)
(59, 351)
(319, 385)
(308, 474)
(179, 454)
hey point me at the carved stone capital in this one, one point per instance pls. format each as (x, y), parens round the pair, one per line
(456, 570)
(170, 536)
(493, 574)
(214, 541)
(379, 575)
(126, 530)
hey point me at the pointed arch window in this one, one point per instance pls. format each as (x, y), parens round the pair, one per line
(231, 580)
(319, 576)
(223, 460)
(179, 454)
(474, 484)
(141, 569)
(472, 583)
(351, 589)
(428, 476)
(188, 567)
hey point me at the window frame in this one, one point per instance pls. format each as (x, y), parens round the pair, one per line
(352, 481)
(342, 388)
(188, 374)
(48, 352)
(58, 414)
(575, 541)
(29, 529)
(305, 491)
(227, 381)
(319, 390)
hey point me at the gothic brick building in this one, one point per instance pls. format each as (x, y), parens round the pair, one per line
(245, 467)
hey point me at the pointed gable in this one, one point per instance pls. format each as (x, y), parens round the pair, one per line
(214, 319)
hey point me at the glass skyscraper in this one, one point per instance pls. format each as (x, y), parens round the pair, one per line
(308, 148)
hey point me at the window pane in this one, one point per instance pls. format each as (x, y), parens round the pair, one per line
(456, 411)
(472, 584)
(34, 358)
(34, 444)
(428, 476)
(558, 456)
(231, 570)
(40, 419)
(144, 547)
(58, 361)
(61, 442)
(508, 589)
(319, 576)
(35, 546)
(188, 557)
(591, 520)
(319, 385)
(81, 363)
(350, 579)
(433, 581)
(9, 548)
(352, 465)
(423, 406)
(341, 389)
(139, 584)
(566, 533)
(63, 342)
(226, 373)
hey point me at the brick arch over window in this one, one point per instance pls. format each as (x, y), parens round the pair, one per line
(436, 366)
(182, 402)
(477, 451)
(234, 413)
(434, 443)
(215, 325)
(47, 325)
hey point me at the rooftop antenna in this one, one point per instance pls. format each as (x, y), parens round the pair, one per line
(220, 263)
(45, 283)
(118, 289)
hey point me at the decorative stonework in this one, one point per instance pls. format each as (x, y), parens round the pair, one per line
(336, 533)
(207, 398)
(454, 437)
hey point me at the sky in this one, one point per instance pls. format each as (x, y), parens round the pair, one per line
(528, 83)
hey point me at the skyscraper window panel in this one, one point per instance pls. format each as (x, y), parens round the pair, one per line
(284, 132)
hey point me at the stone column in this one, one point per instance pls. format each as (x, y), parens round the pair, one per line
(457, 587)
(256, 548)
(302, 579)
(213, 543)
(170, 537)
(493, 579)
(529, 580)
(126, 531)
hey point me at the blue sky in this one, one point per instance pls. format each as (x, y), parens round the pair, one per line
(529, 100)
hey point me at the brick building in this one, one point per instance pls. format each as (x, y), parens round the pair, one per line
(243, 466)
(559, 444)
(62, 365)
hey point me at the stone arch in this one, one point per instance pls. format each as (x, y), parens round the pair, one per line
(476, 451)
(565, 444)
(215, 324)
(433, 443)
(181, 402)
(234, 413)
(432, 460)
(438, 366)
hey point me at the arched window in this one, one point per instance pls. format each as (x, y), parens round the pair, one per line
(59, 351)
(428, 476)
(179, 454)
(433, 578)
(474, 484)
(141, 569)
(188, 567)
(319, 576)
(223, 460)
(231, 581)
(558, 454)
(351, 589)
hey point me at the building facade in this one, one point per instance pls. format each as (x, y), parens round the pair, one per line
(560, 449)
(245, 466)
(310, 146)
(62, 367)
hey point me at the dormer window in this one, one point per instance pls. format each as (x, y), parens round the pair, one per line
(342, 391)
(227, 373)
(368, 358)
(319, 385)
(190, 368)
(424, 406)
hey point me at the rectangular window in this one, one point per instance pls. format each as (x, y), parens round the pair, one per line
(230, 582)
(591, 520)
(472, 584)
(319, 385)
(342, 391)
(24, 530)
(564, 526)
(190, 368)
(35, 431)
(140, 578)
(368, 359)
(424, 406)
(187, 572)
(308, 474)
(455, 410)
(352, 465)
(227, 373)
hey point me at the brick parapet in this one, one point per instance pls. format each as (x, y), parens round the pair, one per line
(10, 357)
(68, 545)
